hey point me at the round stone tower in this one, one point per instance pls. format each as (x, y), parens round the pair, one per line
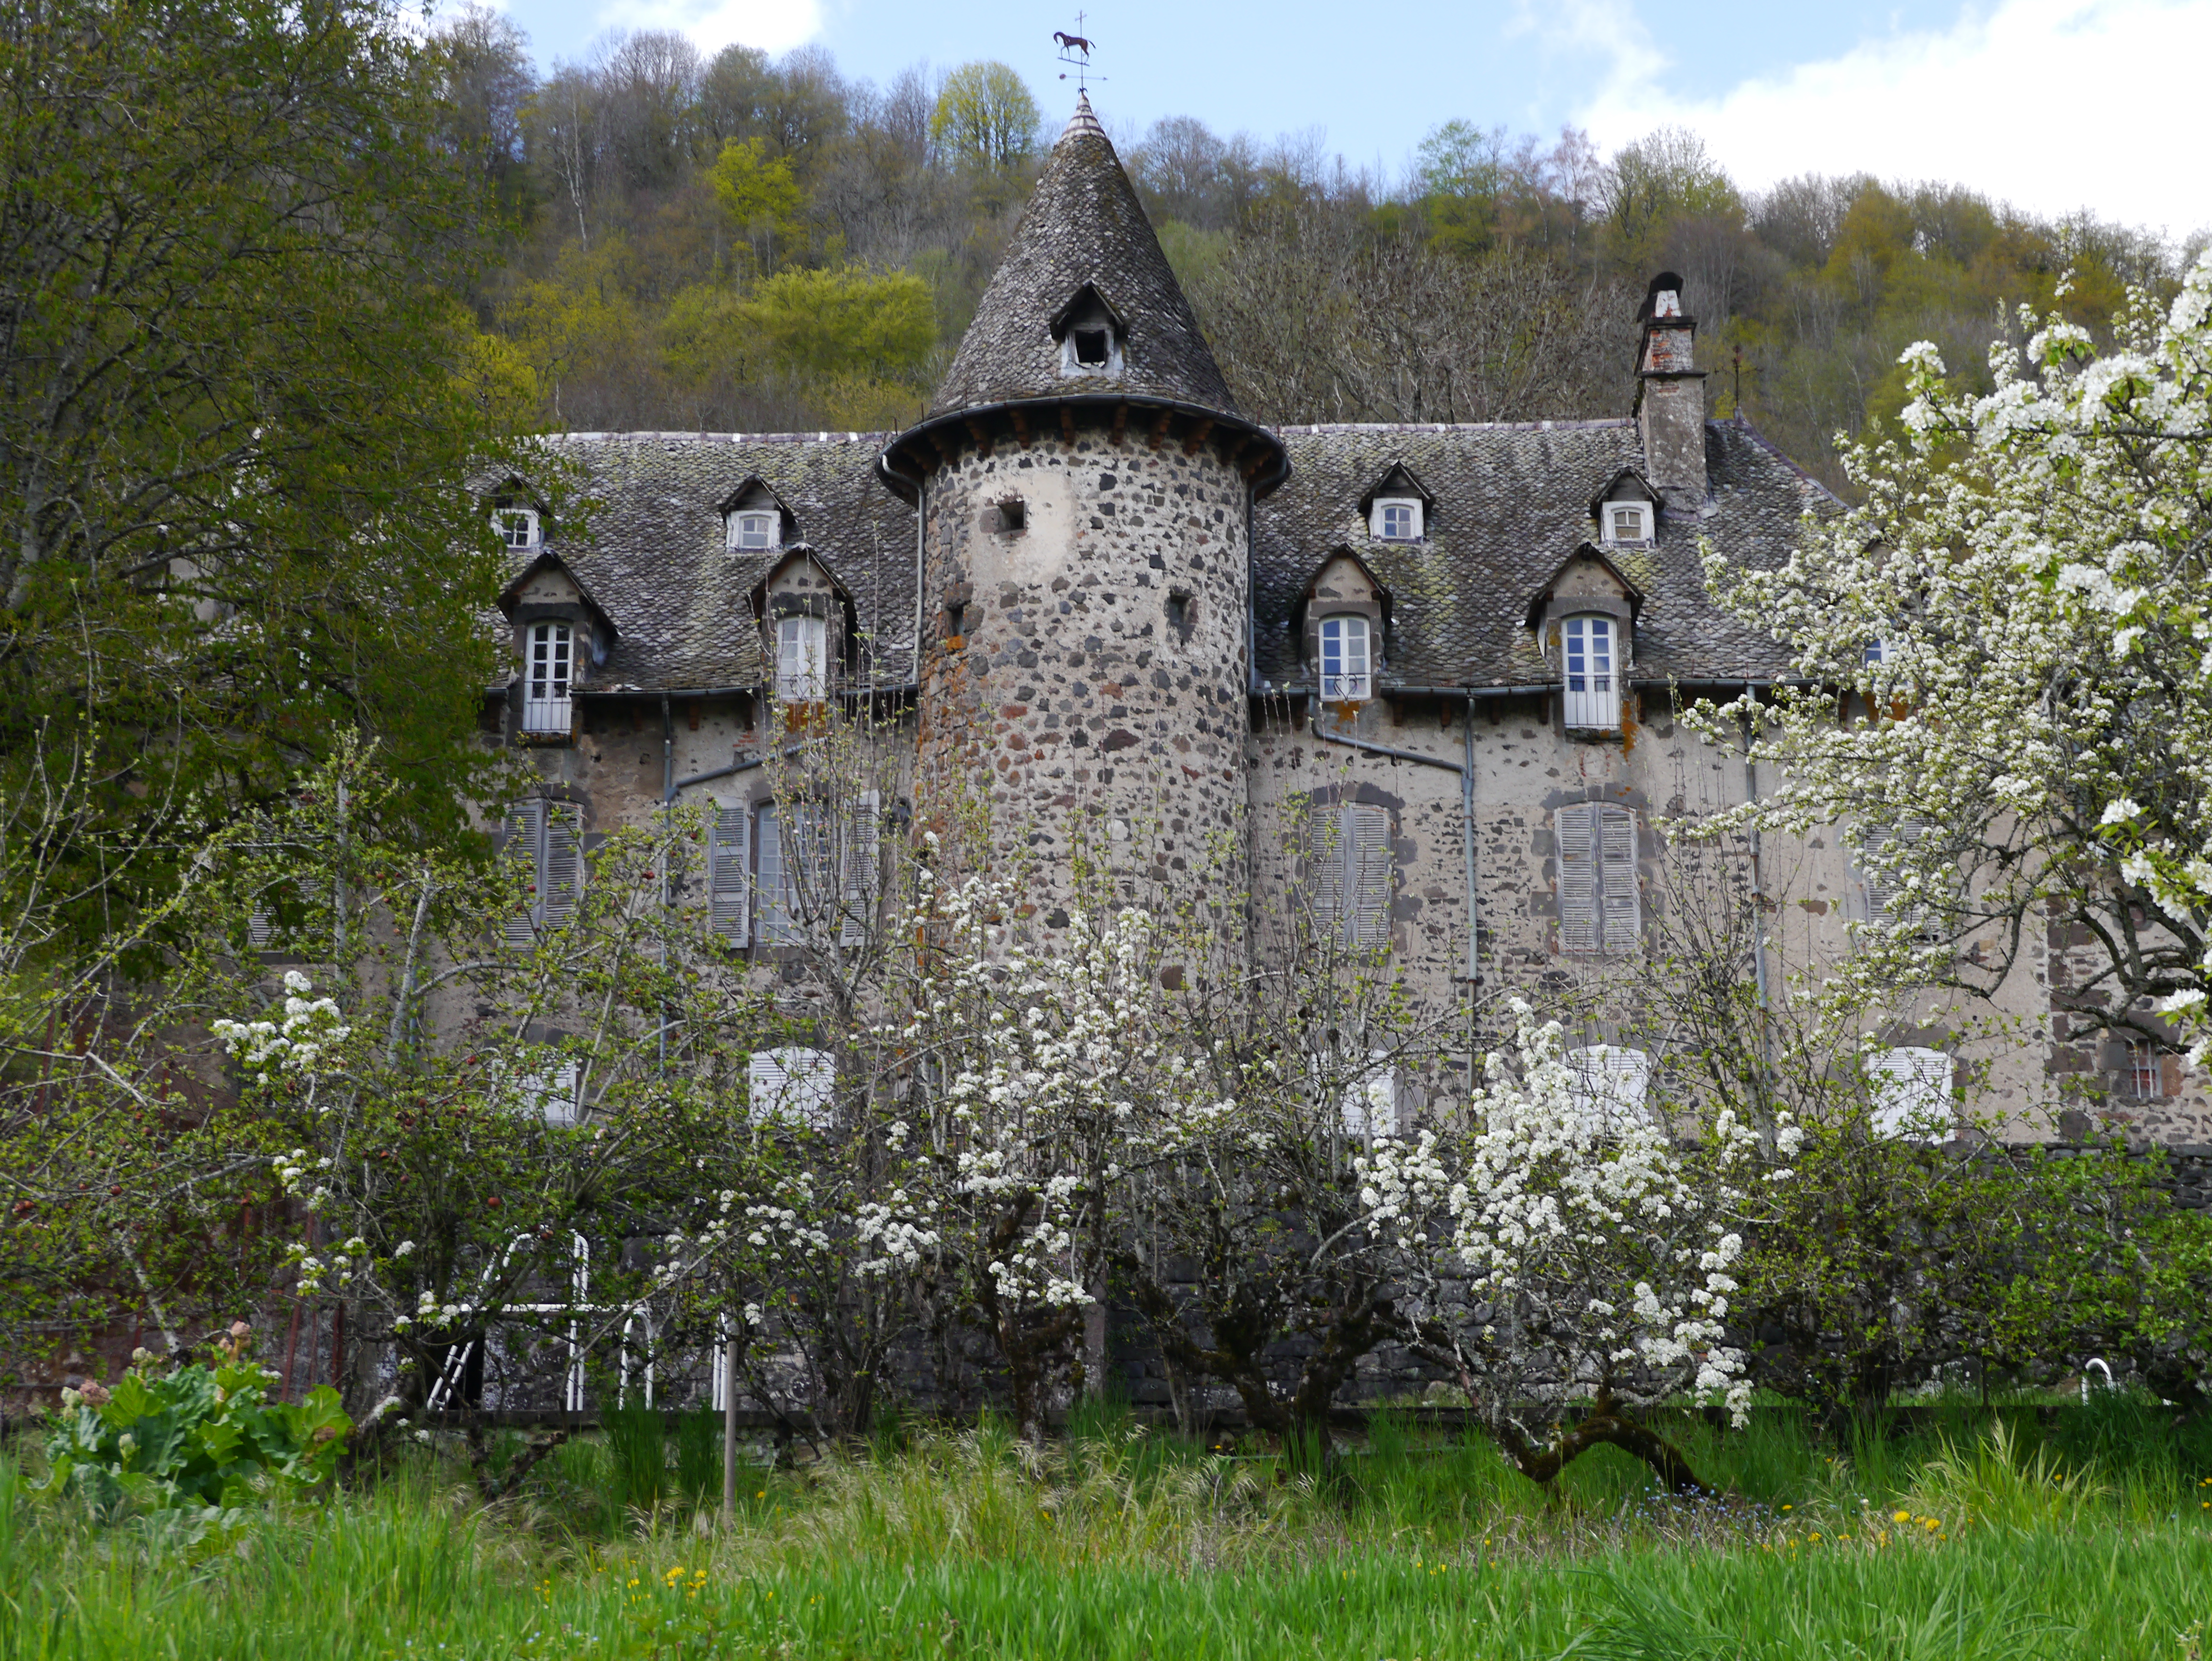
(1086, 488)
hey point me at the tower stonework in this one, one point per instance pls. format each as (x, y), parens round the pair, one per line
(1085, 486)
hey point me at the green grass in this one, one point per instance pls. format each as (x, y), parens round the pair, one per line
(2091, 1542)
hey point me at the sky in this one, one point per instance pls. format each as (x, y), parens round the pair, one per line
(2052, 105)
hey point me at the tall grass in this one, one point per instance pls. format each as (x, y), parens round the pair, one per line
(1120, 1543)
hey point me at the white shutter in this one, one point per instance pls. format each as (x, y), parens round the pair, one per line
(1574, 828)
(1621, 915)
(562, 872)
(1367, 876)
(523, 835)
(729, 875)
(1609, 1086)
(1325, 862)
(792, 1086)
(1912, 1093)
(552, 1096)
(863, 857)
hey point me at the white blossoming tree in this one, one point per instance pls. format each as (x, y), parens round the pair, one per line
(2016, 628)
(1566, 1259)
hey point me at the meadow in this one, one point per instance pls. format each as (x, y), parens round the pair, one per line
(1962, 1534)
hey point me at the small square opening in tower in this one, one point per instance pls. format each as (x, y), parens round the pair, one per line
(1182, 612)
(1092, 347)
(1013, 515)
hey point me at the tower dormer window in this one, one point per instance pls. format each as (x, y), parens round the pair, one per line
(1347, 672)
(752, 529)
(1666, 302)
(1396, 518)
(517, 526)
(1091, 335)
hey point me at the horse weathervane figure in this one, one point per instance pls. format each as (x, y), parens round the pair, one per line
(1075, 50)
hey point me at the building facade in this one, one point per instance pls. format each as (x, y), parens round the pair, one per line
(1088, 590)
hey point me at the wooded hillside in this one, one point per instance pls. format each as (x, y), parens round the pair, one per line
(733, 242)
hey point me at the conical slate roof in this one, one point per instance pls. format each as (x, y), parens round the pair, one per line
(1083, 224)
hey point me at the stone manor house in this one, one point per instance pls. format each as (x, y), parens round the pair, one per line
(1084, 571)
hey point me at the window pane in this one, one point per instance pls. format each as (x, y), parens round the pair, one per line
(1343, 660)
(801, 672)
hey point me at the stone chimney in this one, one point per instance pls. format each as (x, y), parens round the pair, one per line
(1670, 397)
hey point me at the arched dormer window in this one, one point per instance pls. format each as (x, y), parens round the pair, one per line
(1347, 664)
(561, 635)
(549, 669)
(1092, 336)
(1397, 506)
(1585, 620)
(1590, 646)
(752, 529)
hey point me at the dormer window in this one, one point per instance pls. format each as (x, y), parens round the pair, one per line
(517, 526)
(1396, 520)
(548, 671)
(752, 529)
(1666, 302)
(1347, 667)
(1628, 524)
(802, 660)
(1090, 334)
(1593, 681)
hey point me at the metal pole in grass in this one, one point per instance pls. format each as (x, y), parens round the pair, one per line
(729, 1424)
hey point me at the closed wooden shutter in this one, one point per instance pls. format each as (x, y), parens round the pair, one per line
(1620, 915)
(562, 880)
(524, 834)
(1574, 827)
(729, 875)
(1367, 873)
(1882, 889)
(1325, 868)
(863, 855)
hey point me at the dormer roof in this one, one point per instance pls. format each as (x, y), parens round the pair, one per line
(510, 597)
(1312, 595)
(1399, 481)
(1085, 299)
(1082, 228)
(754, 491)
(797, 554)
(512, 491)
(1626, 484)
(1591, 552)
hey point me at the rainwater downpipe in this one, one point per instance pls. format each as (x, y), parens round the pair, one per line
(1758, 886)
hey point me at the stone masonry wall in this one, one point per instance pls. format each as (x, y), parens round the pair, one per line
(1092, 660)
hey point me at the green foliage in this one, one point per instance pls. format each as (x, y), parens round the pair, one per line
(985, 117)
(196, 1436)
(698, 1454)
(235, 430)
(841, 322)
(637, 1442)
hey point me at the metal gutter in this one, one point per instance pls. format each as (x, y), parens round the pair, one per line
(735, 767)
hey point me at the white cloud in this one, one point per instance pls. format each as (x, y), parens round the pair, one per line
(774, 26)
(2052, 105)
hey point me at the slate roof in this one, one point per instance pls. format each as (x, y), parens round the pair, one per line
(652, 551)
(1512, 502)
(1083, 224)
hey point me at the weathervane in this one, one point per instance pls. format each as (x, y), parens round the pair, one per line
(1075, 50)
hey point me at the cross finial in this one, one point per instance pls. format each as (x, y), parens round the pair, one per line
(1075, 50)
